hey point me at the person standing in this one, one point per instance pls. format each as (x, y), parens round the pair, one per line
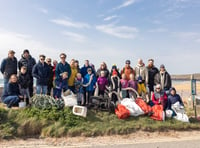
(164, 79)
(63, 66)
(74, 71)
(141, 70)
(83, 70)
(41, 72)
(8, 67)
(152, 71)
(127, 70)
(28, 61)
(103, 67)
(54, 69)
(50, 82)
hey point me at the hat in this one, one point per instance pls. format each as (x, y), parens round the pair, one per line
(162, 66)
(11, 51)
(114, 67)
(114, 72)
(128, 62)
(26, 51)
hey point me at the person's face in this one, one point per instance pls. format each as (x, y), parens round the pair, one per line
(55, 62)
(103, 66)
(89, 72)
(151, 63)
(26, 55)
(23, 70)
(86, 63)
(13, 79)
(42, 59)
(11, 55)
(79, 76)
(158, 89)
(162, 69)
(62, 58)
(127, 64)
(140, 62)
(72, 63)
(49, 62)
(173, 92)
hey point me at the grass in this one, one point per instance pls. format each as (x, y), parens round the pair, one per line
(33, 122)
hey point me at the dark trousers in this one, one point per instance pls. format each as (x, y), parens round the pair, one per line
(30, 87)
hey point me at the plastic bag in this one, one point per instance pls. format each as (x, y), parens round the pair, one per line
(134, 109)
(122, 112)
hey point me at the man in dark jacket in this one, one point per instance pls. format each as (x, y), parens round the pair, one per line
(164, 79)
(28, 61)
(50, 82)
(62, 66)
(41, 72)
(152, 71)
(83, 70)
(9, 67)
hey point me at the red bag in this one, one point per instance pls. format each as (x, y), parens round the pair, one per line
(122, 112)
(143, 105)
(158, 113)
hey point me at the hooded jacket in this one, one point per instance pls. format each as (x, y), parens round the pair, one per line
(24, 80)
(29, 63)
(41, 73)
(141, 70)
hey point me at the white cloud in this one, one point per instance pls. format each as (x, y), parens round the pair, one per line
(74, 36)
(188, 36)
(19, 41)
(118, 31)
(158, 30)
(125, 4)
(110, 17)
(43, 10)
(69, 23)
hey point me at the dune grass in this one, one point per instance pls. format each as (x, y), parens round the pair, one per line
(33, 122)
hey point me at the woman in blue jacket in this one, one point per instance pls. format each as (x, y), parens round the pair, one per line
(11, 95)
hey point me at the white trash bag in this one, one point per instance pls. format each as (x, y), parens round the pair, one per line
(69, 98)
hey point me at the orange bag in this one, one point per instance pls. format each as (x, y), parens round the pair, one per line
(122, 112)
(158, 113)
(143, 105)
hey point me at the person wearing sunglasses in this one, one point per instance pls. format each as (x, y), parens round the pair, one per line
(62, 66)
(41, 72)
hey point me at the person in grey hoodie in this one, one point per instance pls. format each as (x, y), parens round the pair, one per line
(141, 70)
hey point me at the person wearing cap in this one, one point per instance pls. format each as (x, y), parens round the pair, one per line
(164, 79)
(63, 66)
(159, 97)
(28, 61)
(8, 67)
(127, 70)
(152, 71)
(50, 82)
(41, 72)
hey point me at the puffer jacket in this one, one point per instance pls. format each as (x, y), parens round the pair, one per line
(41, 73)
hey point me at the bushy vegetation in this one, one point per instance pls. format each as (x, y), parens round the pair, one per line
(35, 122)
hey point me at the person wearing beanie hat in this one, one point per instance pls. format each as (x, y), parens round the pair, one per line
(164, 79)
(174, 98)
(28, 61)
(127, 70)
(115, 70)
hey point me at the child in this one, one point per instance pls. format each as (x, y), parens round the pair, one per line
(60, 84)
(24, 81)
(124, 84)
(142, 91)
(102, 82)
(115, 84)
(132, 83)
(79, 88)
(11, 95)
(89, 82)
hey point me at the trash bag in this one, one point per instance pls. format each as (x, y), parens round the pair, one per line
(134, 109)
(181, 117)
(158, 113)
(122, 112)
(143, 105)
(69, 99)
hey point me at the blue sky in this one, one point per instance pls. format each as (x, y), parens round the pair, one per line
(105, 30)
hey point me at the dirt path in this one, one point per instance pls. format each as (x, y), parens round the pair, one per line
(135, 138)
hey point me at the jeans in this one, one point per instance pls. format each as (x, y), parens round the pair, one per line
(41, 89)
(5, 81)
(11, 100)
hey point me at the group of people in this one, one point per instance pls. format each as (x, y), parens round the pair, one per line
(61, 76)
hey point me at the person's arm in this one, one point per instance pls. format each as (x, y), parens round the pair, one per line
(3, 65)
(35, 72)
